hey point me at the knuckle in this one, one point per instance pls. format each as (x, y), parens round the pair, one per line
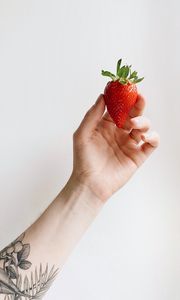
(142, 99)
(140, 122)
(145, 122)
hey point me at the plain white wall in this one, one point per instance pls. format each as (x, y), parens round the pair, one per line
(51, 55)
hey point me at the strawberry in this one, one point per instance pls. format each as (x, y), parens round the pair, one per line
(120, 93)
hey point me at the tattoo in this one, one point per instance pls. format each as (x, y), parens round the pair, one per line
(14, 285)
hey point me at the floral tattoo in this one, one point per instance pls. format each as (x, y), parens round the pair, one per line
(14, 285)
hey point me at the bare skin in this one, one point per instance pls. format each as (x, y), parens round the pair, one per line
(105, 157)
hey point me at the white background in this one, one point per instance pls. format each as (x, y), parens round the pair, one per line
(51, 55)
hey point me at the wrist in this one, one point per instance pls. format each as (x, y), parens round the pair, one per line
(98, 188)
(77, 192)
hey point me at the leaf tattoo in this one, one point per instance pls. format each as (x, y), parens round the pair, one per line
(24, 253)
(25, 264)
(12, 284)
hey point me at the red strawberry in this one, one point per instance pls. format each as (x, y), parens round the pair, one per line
(121, 93)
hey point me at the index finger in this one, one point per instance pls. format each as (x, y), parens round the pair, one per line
(138, 108)
(136, 111)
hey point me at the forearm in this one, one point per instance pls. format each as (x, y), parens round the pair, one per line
(54, 235)
(63, 223)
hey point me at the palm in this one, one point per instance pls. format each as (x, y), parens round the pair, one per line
(115, 153)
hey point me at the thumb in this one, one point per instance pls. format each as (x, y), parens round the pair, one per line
(93, 115)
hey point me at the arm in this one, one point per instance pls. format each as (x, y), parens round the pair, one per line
(105, 157)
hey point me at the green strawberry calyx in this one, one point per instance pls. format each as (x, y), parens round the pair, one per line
(124, 74)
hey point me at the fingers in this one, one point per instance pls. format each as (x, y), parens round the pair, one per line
(139, 107)
(137, 110)
(151, 142)
(141, 133)
(139, 125)
(93, 116)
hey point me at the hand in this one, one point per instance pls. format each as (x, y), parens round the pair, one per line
(105, 156)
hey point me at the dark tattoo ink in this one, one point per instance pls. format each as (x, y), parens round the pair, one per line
(14, 285)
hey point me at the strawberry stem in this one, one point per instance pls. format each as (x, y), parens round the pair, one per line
(118, 66)
(124, 74)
